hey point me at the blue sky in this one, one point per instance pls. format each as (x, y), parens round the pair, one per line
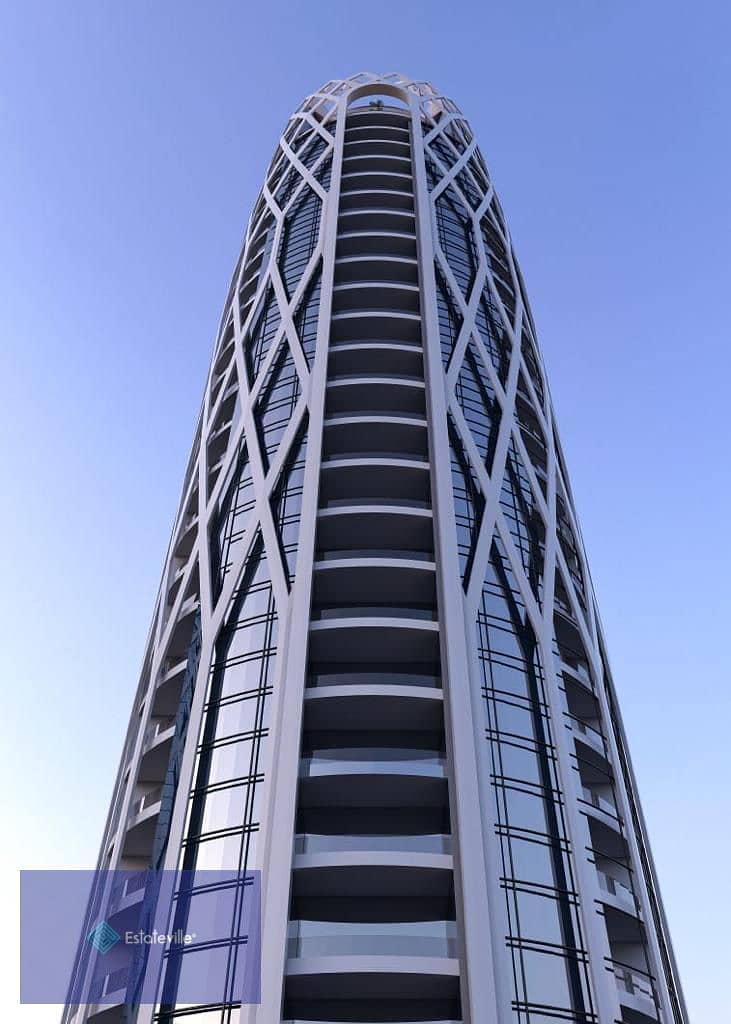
(134, 139)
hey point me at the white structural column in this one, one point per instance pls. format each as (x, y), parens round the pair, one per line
(485, 982)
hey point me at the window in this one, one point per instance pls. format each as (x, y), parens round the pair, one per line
(276, 403)
(259, 339)
(299, 238)
(450, 320)
(456, 239)
(469, 503)
(287, 502)
(477, 401)
(543, 934)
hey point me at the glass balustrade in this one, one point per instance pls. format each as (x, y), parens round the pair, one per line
(592, 736)
(372, 938)
(135, 883)
(600, 802)
(384, 678)
(383, 414)
(103, 987)
(309, 842)
(156, 728)
(576, 666)
(616, 888)
(294, 1021)
(374, 501)
(390, 611)
(144, 802)
(360, 553)
(633, 981)
(406, 454)
(372, 761)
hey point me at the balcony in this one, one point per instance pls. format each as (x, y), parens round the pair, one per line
(377, 123)
(127, 892)
(621, 893)
(375, 325)
(370, 393)
(355, 436)
(383, 173)
(366, 585)
(587, 734)
(399, 198)
(369, 987)
(158, 731)
(599, 803)
(354, 528)
(145, 803)
(341, 610)
(374, 161)
(391, 714)
(384, 358)
(377, 293)
(391, 269)
(169, 685)
(400, 1022)
(378, 148)
(395, 791)
(636, 989)
(576, 669)
(142, 823)
(385, 638)
(156, 750)
(370, 935)
(376, 183)
(375, 219)
(385, 675)
(375, 481)
(109, 988)
(376, 243)
(388, 866)
(358, 555)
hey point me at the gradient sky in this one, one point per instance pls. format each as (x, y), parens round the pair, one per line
(134, 137)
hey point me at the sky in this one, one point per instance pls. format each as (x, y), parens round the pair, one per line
(134, 138)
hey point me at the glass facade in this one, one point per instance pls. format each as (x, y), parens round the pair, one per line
(376, 672)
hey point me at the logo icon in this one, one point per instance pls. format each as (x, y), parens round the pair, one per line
(103, 937)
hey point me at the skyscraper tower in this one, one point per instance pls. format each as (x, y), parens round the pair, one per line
(375, 670)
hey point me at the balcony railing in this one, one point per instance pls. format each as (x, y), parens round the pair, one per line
(127, 887)
(592, 736)
(600, 802)
(616, 888)
(309, 842)
(372, 938)
(576, 667)
(144, 802)
(392, 611)
(343, 554)
(359, 678)
(372, 761)
(633, 981)
(155, 729)
(115, 981)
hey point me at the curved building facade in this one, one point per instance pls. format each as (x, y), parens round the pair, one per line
(375, 671)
